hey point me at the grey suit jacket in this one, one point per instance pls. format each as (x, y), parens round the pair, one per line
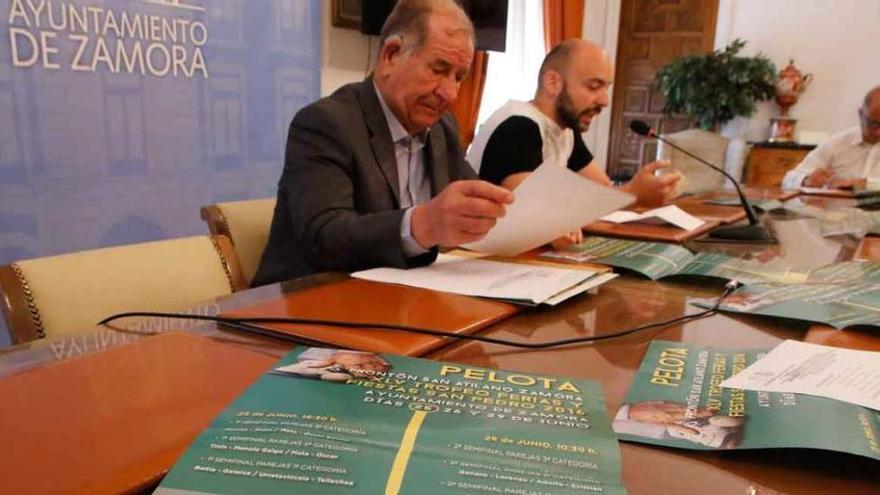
(338, 207)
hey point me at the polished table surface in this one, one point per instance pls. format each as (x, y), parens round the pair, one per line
(625, 302)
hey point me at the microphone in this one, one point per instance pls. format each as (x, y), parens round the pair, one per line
(754, 231)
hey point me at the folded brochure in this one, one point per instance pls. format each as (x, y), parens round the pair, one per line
(677, 400)
(839, 295)
(657, 260)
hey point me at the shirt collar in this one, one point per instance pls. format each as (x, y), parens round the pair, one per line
(398, 132)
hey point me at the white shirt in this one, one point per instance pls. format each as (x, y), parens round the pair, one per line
(557, 142)
(846, 154)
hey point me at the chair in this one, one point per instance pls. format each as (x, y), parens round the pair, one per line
(714, 148)
(246, 223)
(59, 294)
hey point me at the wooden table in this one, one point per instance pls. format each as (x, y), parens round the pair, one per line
(625, 302)
(699, 206)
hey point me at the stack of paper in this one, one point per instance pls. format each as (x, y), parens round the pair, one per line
(514, 282)
(666, 214)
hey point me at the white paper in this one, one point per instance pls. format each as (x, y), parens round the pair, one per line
(551, 202)
(802, 368)
(585, 286)
(533, 284)
(670, 214)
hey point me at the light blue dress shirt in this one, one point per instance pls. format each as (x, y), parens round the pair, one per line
(414, 186)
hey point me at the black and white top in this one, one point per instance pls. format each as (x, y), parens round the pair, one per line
(518, 138)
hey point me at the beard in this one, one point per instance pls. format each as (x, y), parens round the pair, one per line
(569, 115)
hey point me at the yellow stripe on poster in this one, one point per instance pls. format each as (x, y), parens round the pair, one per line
(395, 479)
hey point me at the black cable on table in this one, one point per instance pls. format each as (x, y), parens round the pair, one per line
(251, 324)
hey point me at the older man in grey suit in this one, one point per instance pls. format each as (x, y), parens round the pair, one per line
(373, 174)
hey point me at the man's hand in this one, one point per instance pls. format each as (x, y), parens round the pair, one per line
(463, 212)
(819, 178)
(651, 189)
(572, 238)
(849, 184)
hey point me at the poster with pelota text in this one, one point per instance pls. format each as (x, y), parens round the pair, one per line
(335, 421)
(677, 400)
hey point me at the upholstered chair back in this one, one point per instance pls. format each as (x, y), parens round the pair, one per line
(58, 294)
(247, 224)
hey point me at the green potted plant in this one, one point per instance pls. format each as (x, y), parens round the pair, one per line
(714, 88)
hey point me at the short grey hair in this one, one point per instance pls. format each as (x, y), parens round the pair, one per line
(409, 21)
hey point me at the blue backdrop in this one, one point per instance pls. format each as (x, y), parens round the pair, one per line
(119, 119)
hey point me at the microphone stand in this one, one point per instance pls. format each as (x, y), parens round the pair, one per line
(754, 231)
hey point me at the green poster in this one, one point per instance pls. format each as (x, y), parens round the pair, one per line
(676, 401)
(836, 305)
(767, 266)
(847, 272)
(657, 260)
(839, 295)
(328, 421)
(651, 259)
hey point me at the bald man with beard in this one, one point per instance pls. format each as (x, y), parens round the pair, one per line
(521, 135)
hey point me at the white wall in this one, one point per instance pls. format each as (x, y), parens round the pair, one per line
(345, 54)
(835, 41)
(601, 25)
(513, 74)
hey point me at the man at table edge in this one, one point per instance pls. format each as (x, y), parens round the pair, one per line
(847, 160)
(374, 174)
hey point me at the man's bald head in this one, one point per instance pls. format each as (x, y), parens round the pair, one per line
(872, 99)
(869, 115)
(573, 83)
(569, 52)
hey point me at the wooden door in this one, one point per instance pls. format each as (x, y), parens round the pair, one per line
(652, 33)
